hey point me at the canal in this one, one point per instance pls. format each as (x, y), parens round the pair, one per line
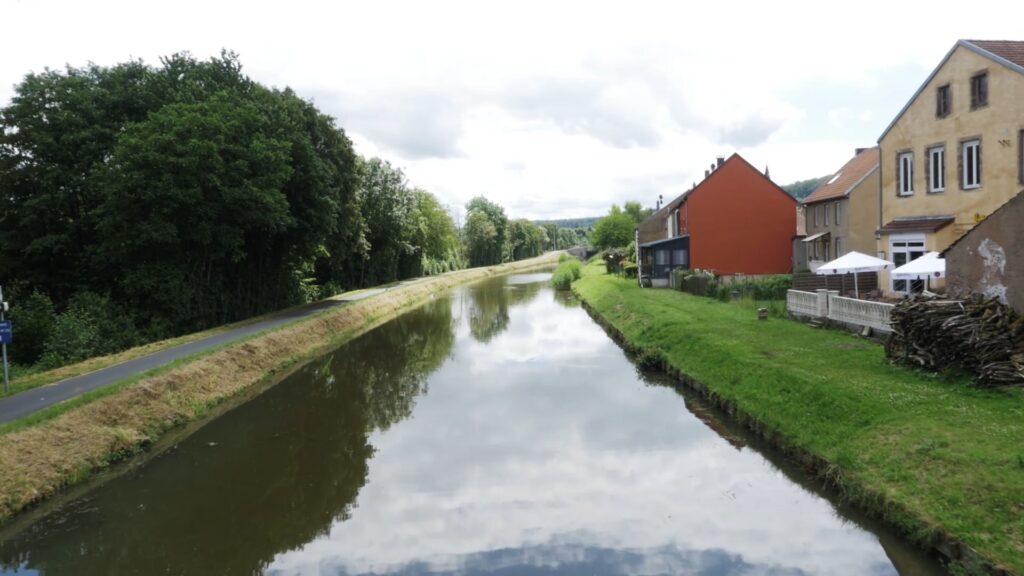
(495, 430)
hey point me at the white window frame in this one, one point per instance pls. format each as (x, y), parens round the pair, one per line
(971, 178)
(904, 244)
(937, 158)
(905, 174)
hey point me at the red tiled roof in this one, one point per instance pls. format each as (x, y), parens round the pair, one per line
(917, 224)
(1012, 50)
(847, 178)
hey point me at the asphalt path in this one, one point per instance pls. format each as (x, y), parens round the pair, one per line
(29, 401)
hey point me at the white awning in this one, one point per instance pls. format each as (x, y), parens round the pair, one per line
(927, 266)
(814, 237)
(853, 262)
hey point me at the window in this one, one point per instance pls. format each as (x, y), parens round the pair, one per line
(679, 258)
(825, 208)
(970, 164)
(903, 250)
(905, 171)
(816, 214)
(839, 251)
(942, 101)
(937, 169)
(837, 214)
(979, 90)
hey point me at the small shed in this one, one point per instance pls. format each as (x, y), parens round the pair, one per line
(989, 258)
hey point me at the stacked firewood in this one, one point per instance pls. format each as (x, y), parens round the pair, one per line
(978, 334)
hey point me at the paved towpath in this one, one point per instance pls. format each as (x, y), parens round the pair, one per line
(29, 401)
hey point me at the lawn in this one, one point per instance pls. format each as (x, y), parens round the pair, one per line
(932, 455)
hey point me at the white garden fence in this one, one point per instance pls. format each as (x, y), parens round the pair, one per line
(828, 304)
(859, 312)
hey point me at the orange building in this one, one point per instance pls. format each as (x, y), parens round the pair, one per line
(736, 221)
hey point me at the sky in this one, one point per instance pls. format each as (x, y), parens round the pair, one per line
(551, 109)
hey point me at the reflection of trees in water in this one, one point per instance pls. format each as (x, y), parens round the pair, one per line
(393, 364)
(266, 478)
(489, 304)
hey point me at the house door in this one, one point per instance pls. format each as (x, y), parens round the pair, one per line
(905, 248)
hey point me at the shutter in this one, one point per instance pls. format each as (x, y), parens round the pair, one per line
(977, 161)
(927, 169)
(960, 166)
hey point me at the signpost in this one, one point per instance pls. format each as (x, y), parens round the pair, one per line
(5, 337)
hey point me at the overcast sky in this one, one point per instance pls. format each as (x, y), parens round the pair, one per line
(552, 109)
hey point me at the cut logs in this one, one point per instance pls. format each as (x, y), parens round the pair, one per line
(981, 335)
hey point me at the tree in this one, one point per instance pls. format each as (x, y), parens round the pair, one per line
(526, 239)
(486, 245)
(636, 212)
(615, 230)
(190, 194)
(481, 239)
(431, 232)
(186, 191)
(386, 204)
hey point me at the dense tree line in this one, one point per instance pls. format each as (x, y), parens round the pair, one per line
(139, 202)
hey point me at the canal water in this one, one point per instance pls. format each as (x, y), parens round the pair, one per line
(495, 430)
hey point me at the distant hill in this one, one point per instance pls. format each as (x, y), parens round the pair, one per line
(584, 223)
(803, 188)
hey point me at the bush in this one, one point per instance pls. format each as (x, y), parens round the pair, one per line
(564, 256)
(613, 259)
(630, 269)
(566, 273)
(32, 321)
(91, 326)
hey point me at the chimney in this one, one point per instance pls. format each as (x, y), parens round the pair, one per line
(707, 173)
(857, 151)
(720, 160)
(712, 168)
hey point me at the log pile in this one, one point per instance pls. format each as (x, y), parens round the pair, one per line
(981, 335)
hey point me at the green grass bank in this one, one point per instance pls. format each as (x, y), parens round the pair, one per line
(941, 462)
(115, 423)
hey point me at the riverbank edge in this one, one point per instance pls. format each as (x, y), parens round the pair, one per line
(892, 513)
(43, 460)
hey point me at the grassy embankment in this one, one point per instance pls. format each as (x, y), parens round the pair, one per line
(942, 462)
(39, 460)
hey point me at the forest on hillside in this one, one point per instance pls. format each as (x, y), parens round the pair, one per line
(803, 188)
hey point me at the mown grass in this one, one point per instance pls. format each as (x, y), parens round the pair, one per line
(936, 458)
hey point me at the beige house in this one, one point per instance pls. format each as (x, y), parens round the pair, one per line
(954, 154)
(842, 214)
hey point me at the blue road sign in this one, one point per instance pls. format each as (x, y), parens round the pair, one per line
(5, 332)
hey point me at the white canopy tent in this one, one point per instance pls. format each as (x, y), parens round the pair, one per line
(924, 268)
(852, 263)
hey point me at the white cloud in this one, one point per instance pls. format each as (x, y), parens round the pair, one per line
(551, 109)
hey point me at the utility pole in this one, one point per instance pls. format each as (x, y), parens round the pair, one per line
(4, 338)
